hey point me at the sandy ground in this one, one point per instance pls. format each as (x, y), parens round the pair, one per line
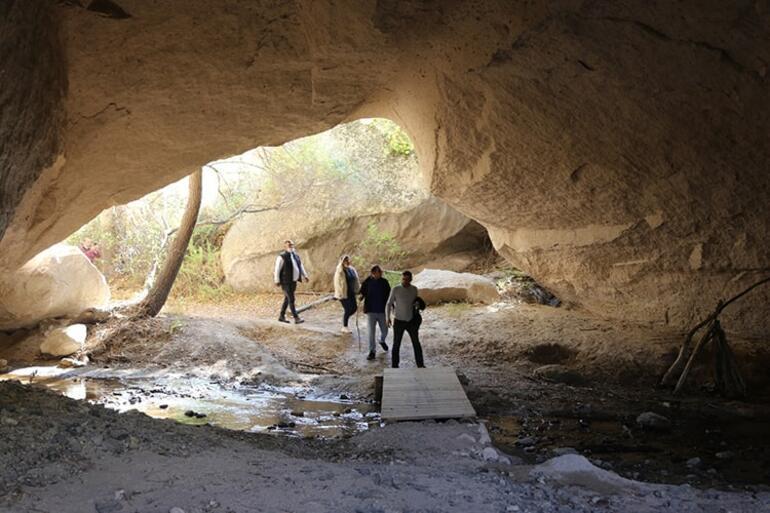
(498, 340)
(60, 455)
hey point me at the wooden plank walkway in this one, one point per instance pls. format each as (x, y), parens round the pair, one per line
(418, 394)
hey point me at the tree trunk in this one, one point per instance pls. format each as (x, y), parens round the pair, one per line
(151, 305)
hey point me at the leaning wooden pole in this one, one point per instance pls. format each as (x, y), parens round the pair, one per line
(680, 368)
(153, 302)
(315, 303)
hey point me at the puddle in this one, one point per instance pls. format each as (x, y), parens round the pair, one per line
(294, 410)
(731, 453)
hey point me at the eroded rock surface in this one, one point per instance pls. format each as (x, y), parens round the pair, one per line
(432, 232)
(59, 281)
(617, 151)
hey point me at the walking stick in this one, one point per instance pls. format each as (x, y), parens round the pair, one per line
(358, 331)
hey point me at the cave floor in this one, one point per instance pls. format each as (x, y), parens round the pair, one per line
(64, 455)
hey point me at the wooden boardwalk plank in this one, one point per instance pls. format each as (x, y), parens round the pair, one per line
(418, 394)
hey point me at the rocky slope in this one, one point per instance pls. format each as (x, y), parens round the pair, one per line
(616, 150)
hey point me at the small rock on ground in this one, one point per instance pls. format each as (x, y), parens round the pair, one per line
(653, 421)
(559, 374)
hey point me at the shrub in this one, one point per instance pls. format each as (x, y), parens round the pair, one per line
(379, 247)
(201, 276)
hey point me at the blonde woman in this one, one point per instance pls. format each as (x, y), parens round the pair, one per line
(346, 287)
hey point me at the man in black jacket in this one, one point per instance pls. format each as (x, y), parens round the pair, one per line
(375, 291)
(288, 271)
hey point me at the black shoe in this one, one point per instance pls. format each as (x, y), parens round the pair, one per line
(421, 366)
(371, 355)
(384, 346)
(283, 319)
(297, 320)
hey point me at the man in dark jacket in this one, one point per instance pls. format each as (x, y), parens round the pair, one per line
(375, 291)
(288, 271)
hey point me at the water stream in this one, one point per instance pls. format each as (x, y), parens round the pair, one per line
(294, 410)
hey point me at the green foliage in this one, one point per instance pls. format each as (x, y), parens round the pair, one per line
(393, 277)
(356, 168)
(129, 237)
(175, 326)
(201, 276)
(456, 309)
(399, 142)
(379, 247)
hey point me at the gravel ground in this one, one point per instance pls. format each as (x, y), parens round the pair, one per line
(60, 455)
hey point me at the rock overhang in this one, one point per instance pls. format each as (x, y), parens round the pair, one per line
(616, 151)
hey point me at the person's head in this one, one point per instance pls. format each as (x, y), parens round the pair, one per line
(289, 245)
(87, 242)
(345, 261)
(406, 278)
(376, 272)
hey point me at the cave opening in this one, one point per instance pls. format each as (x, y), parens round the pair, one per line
(615, 151)
(355, 189)
(217, 356)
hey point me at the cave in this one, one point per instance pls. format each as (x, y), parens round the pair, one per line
(616, 152)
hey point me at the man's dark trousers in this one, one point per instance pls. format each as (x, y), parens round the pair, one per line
(398, 333)
(288, 298)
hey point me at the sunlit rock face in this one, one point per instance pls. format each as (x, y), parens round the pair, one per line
(618, 151)
(428, 234)
(58, 282)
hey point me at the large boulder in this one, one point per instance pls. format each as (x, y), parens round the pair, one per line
(64, 341)
(439, 286)
(431, 231)
(59, 281)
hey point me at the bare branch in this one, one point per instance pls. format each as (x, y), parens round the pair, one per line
(247, 209)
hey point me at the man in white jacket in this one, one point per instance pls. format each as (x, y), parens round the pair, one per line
(288, 271)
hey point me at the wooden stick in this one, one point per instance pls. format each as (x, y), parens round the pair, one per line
(707, 336)
(684, 351)
(311, 366)
(728, 376)
(315, 303)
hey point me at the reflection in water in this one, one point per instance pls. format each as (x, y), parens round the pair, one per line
(292, 410)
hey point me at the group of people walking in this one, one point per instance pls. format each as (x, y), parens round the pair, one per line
(398, 307)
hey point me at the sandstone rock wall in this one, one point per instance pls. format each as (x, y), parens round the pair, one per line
(32, 88)
(616, 150)
(428, 233)
(636, 161)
